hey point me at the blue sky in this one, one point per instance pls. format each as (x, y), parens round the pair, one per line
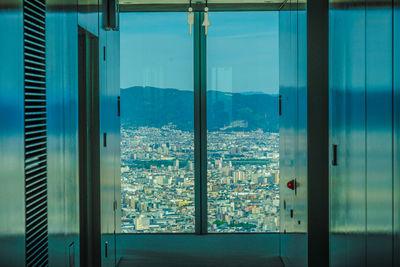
(242, 51)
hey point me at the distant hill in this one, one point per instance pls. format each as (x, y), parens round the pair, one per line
(225, 111)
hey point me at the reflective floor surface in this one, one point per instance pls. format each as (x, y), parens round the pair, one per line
(193, 250)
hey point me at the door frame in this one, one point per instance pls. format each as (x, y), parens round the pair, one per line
(89, 148)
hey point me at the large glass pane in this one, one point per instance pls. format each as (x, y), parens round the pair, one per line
(242, 121)
(157, 158)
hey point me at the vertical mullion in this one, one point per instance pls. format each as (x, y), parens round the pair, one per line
(200, 125)
(203, 128)
(318, 132)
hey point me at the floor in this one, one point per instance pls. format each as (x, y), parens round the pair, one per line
(233, 250)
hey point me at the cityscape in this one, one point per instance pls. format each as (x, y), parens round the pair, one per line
(157, 180)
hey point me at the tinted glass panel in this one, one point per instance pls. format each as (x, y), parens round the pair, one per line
(157, 159)
(242, 121)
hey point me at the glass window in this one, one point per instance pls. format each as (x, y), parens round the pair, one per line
(157, 123)
(242, 121)
(157, 154)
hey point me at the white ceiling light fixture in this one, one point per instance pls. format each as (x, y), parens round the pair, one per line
(190, 17)
(206, 21)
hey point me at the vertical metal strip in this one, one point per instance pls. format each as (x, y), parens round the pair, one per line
(200, 125)
(203, 140)
(393, 146)
(197, 126)
(396, 121)
(365, 132)
(318, 131)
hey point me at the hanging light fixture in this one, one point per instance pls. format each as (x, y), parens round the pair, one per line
(190, 17)
(206, 21)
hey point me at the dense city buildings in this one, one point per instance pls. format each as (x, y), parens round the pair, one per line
(157, 169)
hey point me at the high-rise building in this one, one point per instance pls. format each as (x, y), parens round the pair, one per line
(176, 164)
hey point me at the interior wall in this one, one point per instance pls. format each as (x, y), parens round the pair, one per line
(379, 115)
(62, 46)
(90, 17)
(348, 125)
(110, 182)
(396, 132)
(361, 114)
(12, 192)
(62, 112)
(293, 131)
(62, 20)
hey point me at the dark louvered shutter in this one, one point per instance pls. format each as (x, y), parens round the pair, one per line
(35, 133)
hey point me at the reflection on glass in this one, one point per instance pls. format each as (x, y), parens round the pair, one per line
(242, 121)
(157, 158)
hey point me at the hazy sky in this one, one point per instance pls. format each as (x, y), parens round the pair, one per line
(242, 51)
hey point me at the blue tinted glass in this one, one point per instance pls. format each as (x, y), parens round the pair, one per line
(157, 160)
(242, 121)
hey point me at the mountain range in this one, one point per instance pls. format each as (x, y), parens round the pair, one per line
(151, 106)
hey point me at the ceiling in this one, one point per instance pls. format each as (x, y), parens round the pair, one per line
(216, 5)
(125, 2)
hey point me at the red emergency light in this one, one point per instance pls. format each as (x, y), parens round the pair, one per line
(291, 184)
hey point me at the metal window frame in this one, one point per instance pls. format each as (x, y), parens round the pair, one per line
(200, 125)
(89, 148)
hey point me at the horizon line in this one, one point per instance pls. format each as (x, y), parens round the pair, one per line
(243, 92)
